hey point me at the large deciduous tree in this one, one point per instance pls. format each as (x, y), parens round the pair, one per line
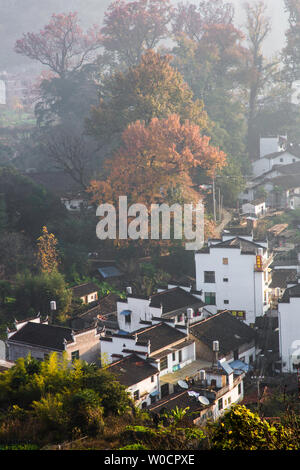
(193, 21)
(155, 158)
(291, 52)
(132, 28)
(61, 45)
(153, 89)
(259, 71)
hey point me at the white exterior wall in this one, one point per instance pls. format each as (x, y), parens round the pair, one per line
(269, 145)
(263, 165)
(90, 298)
(188, 356)
(145, 387)
(289, 333)
(140, 311)
(116, 346)
(245, 287)
(257, 210)
(234, 396)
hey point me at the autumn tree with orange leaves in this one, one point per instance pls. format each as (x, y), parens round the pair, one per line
(154, 159)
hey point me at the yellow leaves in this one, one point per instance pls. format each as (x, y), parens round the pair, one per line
(47, 254)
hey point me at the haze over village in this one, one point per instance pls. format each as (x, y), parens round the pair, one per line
(149, 227)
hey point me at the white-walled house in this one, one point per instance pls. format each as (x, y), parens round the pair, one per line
(233, 274)
(37, 338)
(87, 292)
(174, 302)
(289, 328)
(139, 376)
(237, 340)
(163, 343)
(256, 208)
(273, 151)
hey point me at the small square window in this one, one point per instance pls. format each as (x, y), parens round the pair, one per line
(74, 355)
(225, 260)
(152, 378)
(226, 302)
(174, 357)
(210, 298)
(136, 395)
(209, 277)
(225, 279)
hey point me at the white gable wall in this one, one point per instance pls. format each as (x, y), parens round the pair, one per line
(289, 333)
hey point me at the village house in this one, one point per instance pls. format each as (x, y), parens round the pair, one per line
(211, 392)
(274, 151)
(236, 339)
(104, 314)
(177, 303)
(39, 339)
(281, 278)
(233, 273)
(87, 292)
(163, 342)
(139, 376)
(256, 208)
(289, 328)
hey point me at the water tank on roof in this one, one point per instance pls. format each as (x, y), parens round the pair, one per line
(129, 290)
(190, 312)
(202, 375)
(216, 346)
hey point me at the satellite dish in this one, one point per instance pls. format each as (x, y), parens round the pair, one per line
(182, 384)
(203, 400)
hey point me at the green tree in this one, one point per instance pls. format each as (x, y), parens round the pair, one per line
(152, 89)
(34, 292)
(240, 429)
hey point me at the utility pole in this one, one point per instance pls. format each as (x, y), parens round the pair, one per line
(214, 199)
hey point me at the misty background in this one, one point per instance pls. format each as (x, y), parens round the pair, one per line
(19, 16)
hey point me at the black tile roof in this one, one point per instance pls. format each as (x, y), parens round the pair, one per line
(160, 336)
(223, 327)
(289, 293)
(181, 400)
(281, 277)
(174, 299)
(286, 181)
(131, 370)
(43, 335)
(84, 289)
(246, 246)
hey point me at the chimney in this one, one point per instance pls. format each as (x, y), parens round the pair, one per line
(216, 349)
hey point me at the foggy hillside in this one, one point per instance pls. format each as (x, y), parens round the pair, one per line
(19, 16)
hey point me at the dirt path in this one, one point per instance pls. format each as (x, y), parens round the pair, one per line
(225, 221)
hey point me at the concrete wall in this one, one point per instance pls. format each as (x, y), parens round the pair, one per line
(145, 388)
(289, 333)
(245, 287)
(263, 165)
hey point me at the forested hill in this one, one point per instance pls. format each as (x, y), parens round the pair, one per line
(34, 17)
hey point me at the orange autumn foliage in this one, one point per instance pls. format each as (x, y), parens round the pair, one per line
(155, 158)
